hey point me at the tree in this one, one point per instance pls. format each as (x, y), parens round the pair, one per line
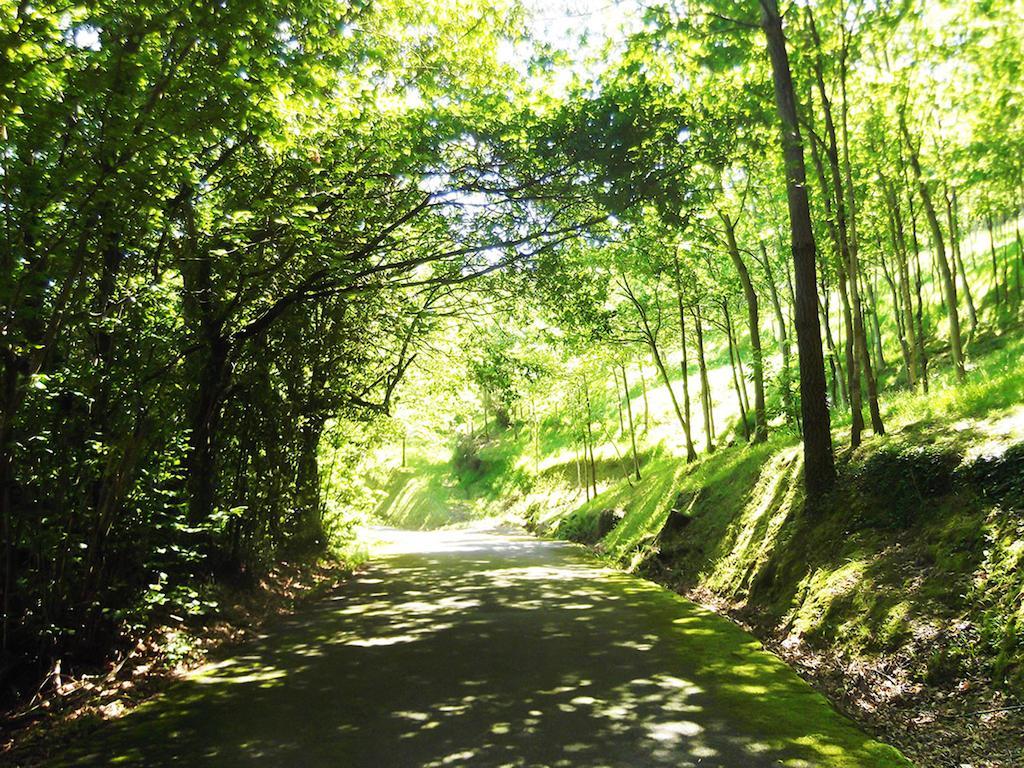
(819, 464)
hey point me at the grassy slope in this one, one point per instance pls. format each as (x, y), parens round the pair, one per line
(920, 548)
(913, 572)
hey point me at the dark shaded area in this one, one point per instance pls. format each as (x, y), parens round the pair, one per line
(475, 649)
(586, 528)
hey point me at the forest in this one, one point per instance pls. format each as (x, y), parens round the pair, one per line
(731, 292)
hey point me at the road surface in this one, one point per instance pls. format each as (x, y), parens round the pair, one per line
(467, 648)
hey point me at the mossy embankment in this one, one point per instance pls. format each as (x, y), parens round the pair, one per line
(917, 552)
(902, 592)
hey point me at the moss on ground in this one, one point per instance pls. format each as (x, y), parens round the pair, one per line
(866, 573)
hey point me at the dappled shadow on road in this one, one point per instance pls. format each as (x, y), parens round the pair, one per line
(471, 649)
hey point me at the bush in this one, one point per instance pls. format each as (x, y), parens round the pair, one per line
(897, 481)
(465, 457)
(1000, 479)
(588, 526)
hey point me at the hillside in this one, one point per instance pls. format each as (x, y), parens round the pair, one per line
(900, 593)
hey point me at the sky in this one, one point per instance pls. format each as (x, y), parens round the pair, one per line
(581, 28)
(562, 22)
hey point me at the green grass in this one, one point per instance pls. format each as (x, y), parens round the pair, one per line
(923, 533)
(415, 498)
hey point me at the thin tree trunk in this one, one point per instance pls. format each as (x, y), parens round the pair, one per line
(853, 384)
(643, 389)
(579, 472)
(949, 288)
(618, 402)
(705, 387)
(691, 454)
(876, 326)
(632, 429)
(861, 343)
(1019, 262)
(536, 432)
(995, 268)
(900, 248)
(958, 262)
(590, 437)
(684, 360)
(742, 373)
(897, 312)
(837, 230)
(783, 336)
(919, 314)
(652, 342)
(838, 382)
(7, 480)
(753, 328)
(736, 377)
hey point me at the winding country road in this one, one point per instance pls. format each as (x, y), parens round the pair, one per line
(481, 649)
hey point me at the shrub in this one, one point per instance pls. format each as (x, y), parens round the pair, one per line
(897, 481)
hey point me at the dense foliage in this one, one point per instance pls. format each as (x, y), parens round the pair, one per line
(230, 231)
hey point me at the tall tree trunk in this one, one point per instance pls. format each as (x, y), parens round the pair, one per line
(897, 311)
(207, 406)
(579, 472)
(900, 249)
(632, 428)
(310, 532)
(536, 431)
(919, 313)
(949, 288)
(739, 368)
(876, 326)
(863, 355)
(202, 316)
(1016, 261)
(853, 384)
(652, 343)
(842, 184)
(849, 294)
(647, 406)
(11, 399)
(851, 380)
(783, 336)
(736, 376)
(590, 437)
(838, 389)
(684, 363)
(705, 387)
(753, 328)
(954, 238)
(691, 454)
(861, 341)
(618, 402)
(1018, 264)
(819, 461)
(995, 267)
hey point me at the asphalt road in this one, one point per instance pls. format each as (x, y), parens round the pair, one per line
(483, 649)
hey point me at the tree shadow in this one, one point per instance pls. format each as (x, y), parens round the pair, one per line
(462, 648)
